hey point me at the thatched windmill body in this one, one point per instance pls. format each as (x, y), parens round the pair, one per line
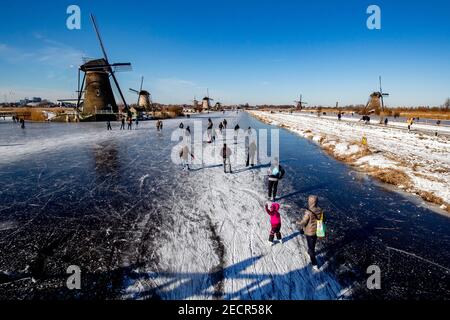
(95, 94)
(376, 103)
(144, 102)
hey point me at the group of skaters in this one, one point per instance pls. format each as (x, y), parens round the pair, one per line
(313, 216)
(310, 225)
(20, 121)
(128, 122)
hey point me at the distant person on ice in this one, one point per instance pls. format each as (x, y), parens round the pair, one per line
(251, 149)
(181, 126)
(122, 126)
(225, 123)
(184, 156)
(22, 123)
(236, 131)
(275, 222)
(108, 125)
(130, 123)
(410, 123)
(309, 227)
(276, 173)
(226, 155)
(209, 130)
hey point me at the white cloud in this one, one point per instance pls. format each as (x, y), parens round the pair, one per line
(51, 54)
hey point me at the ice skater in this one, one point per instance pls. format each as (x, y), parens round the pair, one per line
(184, 156)
(108, 125)
(275, 222)
(209, 130)
(225, 123)
(276, 173)
(308, 227)
(236, 132)
(251, 154)
(122, 125)
(226, 155)
(130, 123)
(22, 123)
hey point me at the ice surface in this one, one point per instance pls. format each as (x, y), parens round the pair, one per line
(140, 226)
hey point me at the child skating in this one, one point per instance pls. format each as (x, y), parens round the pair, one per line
(275, 222)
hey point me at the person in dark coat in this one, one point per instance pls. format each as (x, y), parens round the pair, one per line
(226, 155)
(122, 126)
(108, 125)
(236, 131)
(308, 227)
(276, 173)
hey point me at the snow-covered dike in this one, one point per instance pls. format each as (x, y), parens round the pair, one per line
(218, 245)
(416, 162)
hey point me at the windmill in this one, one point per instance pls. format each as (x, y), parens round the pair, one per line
(144, 98)
(206, 102)
(195, 102)
(300, 103)
(95, 89)
(376, 103)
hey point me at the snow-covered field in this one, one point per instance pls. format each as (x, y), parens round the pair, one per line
(424, 158)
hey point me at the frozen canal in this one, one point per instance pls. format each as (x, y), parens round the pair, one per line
(138, 226)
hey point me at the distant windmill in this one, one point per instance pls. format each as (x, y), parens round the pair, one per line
(144, 100)
(195, 102)
(206, 103)
(300, 103)
(376, 103)
(95, 89)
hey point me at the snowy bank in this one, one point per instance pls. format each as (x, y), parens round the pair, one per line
(415, 162)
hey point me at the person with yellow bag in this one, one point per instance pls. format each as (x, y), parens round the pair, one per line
(313, 226)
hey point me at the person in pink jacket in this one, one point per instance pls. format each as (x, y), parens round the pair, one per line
(275, 221)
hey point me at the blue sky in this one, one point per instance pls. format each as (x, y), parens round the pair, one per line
(243, 51)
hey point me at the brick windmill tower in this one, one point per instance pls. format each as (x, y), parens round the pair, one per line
(95, 94)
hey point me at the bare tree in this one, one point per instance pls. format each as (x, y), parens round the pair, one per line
(447, 104)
